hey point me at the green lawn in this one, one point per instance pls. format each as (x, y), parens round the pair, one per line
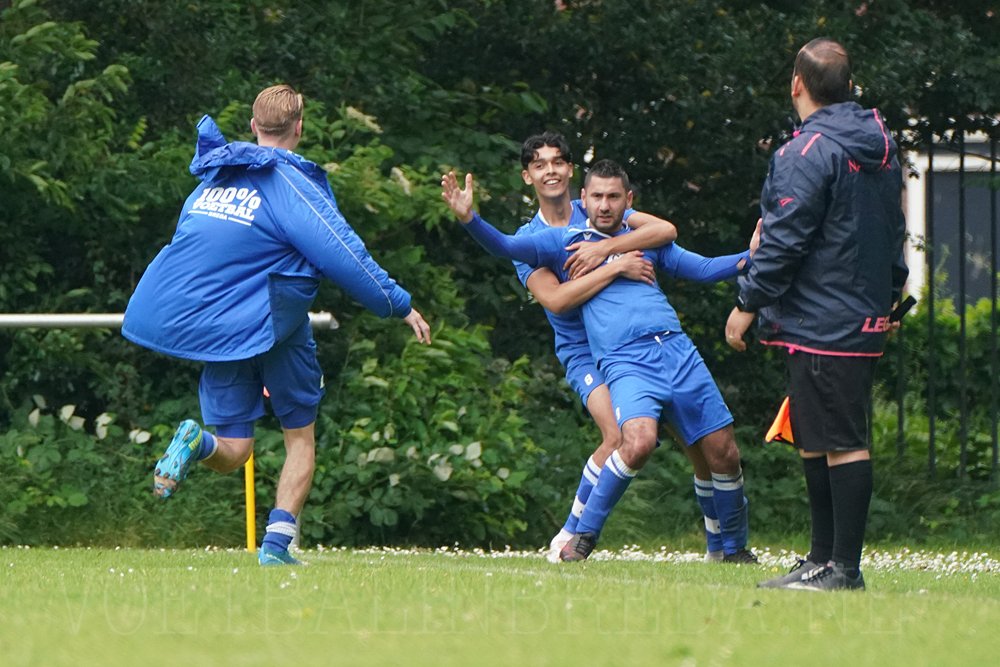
(217, 607)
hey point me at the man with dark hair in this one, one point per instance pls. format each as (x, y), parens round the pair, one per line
(829, 267)
(547, 166)
(824, 68)
(635, 338)
(233, 289)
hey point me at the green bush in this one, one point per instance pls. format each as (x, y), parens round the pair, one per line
(68, 480)
(422, 447)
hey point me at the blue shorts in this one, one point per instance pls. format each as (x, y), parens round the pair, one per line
(584, 377)
(665, 375)
(232, 392)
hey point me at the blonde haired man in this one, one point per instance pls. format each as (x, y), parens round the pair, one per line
(233, 290)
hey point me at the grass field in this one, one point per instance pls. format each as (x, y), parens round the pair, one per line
(383, 607)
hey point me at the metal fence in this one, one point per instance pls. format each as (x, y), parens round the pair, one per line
(961, 193)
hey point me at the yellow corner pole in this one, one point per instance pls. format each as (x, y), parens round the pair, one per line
(251, 505)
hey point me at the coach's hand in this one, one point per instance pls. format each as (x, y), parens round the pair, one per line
(736, 328)
(419, 326)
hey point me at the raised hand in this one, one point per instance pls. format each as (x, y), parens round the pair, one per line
(459, 200)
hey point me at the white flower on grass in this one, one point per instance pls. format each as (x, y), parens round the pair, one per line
(39, 401)
(139, 436)
(411, 452)
(503, 473)
(457, 450)
(473, 450)
(393, 479)
(33, 417)
(76, 422)
(66, 411)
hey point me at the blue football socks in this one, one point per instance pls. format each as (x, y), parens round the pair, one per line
(733, 511)
(611, 485)
(280, 530)
(591, 472)
(207, 446)
(704, 492)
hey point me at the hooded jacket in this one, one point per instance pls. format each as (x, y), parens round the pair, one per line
(244, 265)
(830, 262)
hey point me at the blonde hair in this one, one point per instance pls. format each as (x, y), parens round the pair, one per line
(276, 110)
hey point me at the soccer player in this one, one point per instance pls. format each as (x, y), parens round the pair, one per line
(636, 340)
(829, 268)
(233, 290)
(547, 166)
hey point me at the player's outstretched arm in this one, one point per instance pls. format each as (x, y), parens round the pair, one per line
(650, 232)
(559, 297)
(420, 328)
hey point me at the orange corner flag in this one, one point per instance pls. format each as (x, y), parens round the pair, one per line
(781, 428)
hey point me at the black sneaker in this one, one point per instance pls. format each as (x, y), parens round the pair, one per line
(799, 570)
(578, 547)
(741, 557)
(829, 577)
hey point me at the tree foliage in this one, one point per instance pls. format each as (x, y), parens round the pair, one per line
(98, 99)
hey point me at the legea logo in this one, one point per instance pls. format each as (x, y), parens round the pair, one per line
(878, 325)
(232, 204)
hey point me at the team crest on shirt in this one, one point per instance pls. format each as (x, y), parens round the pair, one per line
(237, 205)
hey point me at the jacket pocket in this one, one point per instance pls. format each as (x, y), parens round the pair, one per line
(291, 296)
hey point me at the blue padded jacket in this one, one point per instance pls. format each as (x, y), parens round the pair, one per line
(244, 265)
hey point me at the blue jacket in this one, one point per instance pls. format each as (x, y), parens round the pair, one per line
(244, 265)
(830, 262)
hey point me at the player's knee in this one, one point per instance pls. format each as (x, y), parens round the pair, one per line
(233, 453)
(636, 451)
(724, 458)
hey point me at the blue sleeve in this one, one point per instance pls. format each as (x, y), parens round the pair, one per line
(316, 228)
(521, 248)
(688, 265)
